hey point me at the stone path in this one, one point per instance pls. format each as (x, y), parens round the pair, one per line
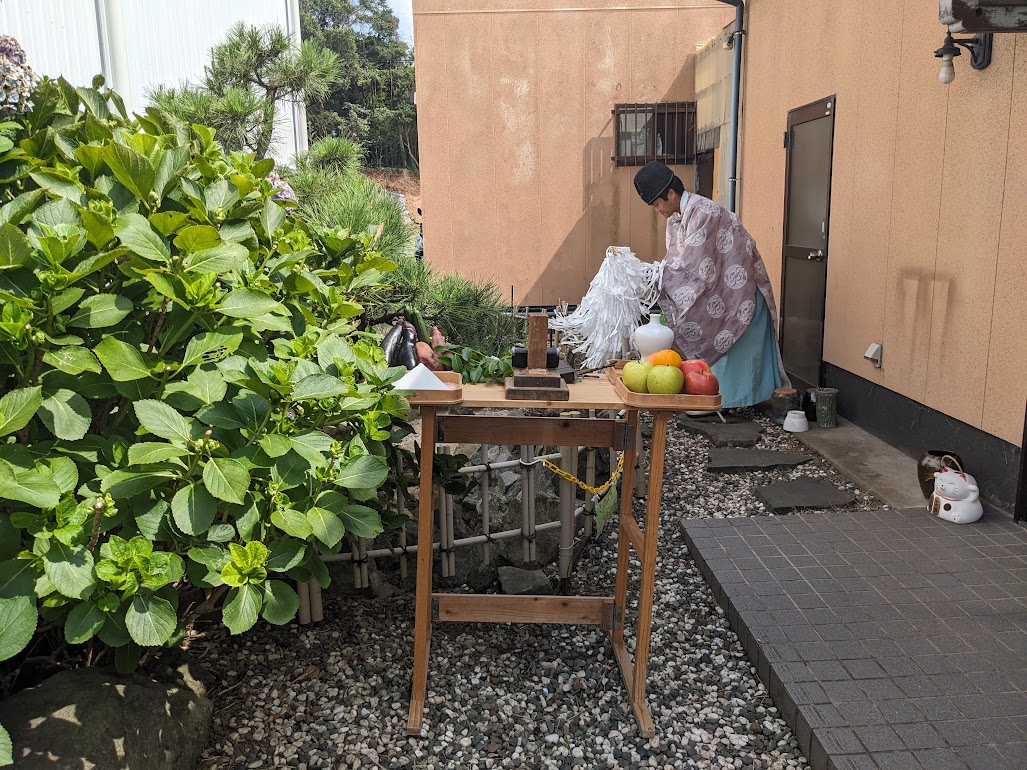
(729, 459)
(803, 494)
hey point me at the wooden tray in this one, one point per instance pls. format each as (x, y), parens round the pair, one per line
(655, 402)
(454, 381)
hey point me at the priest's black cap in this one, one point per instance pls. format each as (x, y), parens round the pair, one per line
(652, 180)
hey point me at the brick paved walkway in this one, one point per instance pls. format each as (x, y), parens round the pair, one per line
(890, 640)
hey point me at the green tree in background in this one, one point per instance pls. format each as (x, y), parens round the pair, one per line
(249, 73)
(373, 102)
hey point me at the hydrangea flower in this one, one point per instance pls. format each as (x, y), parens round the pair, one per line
(283, 190)
(17, 79)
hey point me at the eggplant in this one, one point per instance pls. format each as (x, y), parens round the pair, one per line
(391, 343)
(408, 351)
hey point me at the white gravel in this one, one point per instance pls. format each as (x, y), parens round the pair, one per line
(334, 694)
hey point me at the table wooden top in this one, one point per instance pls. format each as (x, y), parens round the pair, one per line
(593, 392)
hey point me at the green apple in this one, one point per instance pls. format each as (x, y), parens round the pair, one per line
(665, 380)
(635, 374)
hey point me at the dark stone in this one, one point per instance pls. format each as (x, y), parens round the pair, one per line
(95, 718)
(736, 432)
(803, 493)
(724, 459)
(524, 582)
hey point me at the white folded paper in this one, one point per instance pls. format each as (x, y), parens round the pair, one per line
(420, 378)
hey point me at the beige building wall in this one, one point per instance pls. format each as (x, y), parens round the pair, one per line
(514, 101)
(928, 239)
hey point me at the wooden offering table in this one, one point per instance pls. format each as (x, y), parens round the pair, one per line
(595, 392)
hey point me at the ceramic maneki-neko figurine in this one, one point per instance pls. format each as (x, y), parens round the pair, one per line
(956, 497)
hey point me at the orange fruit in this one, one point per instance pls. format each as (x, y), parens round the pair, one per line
(665, 358)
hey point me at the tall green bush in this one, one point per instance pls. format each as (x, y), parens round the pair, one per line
(469, 312)
(190, 416)
(332, 193)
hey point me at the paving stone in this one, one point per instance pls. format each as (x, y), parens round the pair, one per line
(523, 582)
(734, 433)
(726, 459)
(803, 494)
(931, 674)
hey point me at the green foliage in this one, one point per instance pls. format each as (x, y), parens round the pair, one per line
(190, 413)
(469, 312)
(476, 366)
(249, 73)
(373, 102)
(354, 199)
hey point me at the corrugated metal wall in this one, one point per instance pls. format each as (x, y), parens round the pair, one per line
(166, 43)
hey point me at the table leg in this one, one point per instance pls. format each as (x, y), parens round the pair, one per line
(648, 556)
(422, 596)
(627, 488)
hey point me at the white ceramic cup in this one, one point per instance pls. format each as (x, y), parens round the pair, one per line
(796, 422)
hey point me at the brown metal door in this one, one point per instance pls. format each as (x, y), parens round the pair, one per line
(810, 142)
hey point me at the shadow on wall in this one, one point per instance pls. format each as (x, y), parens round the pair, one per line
(611, 213)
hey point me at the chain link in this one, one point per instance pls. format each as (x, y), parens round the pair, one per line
(575, 480)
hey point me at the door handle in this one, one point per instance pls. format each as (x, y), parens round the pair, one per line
(816, 255)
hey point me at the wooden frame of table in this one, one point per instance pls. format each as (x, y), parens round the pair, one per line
(604, 611)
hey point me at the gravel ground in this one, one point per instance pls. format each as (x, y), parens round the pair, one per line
(334, 695)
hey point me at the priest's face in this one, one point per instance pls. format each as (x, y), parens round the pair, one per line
(668, 206)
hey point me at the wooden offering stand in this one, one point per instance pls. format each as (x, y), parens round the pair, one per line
(536, 382)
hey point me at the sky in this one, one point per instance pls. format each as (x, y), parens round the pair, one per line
(403, 10)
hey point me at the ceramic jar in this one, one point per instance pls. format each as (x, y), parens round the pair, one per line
(933, 461)
(653, 337)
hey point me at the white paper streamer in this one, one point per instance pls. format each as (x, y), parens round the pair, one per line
(623, 290)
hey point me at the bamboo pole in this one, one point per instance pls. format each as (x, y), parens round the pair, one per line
(532, 508)
(316, 608)
(362, 545)
(401, 509)
(486, 520)
(443, 535)
(525, 497)
(303, 589)
(641, 462)
(451, 530)
(354, 549)
(590, 479)
(566, 515)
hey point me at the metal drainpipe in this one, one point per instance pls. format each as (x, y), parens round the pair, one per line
(736, 80)
(118, 77)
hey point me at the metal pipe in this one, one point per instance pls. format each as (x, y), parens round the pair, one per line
(736, 80)
(504, 464)
(473, 540)
(119, 77)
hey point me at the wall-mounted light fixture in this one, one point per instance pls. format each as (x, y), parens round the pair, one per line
(979, 47)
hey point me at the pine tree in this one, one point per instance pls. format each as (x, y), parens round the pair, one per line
(249, 75)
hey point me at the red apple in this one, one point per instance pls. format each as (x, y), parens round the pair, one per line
(701, 383)
(694, 365)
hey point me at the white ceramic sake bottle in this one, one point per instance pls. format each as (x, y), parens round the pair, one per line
(653, 336)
